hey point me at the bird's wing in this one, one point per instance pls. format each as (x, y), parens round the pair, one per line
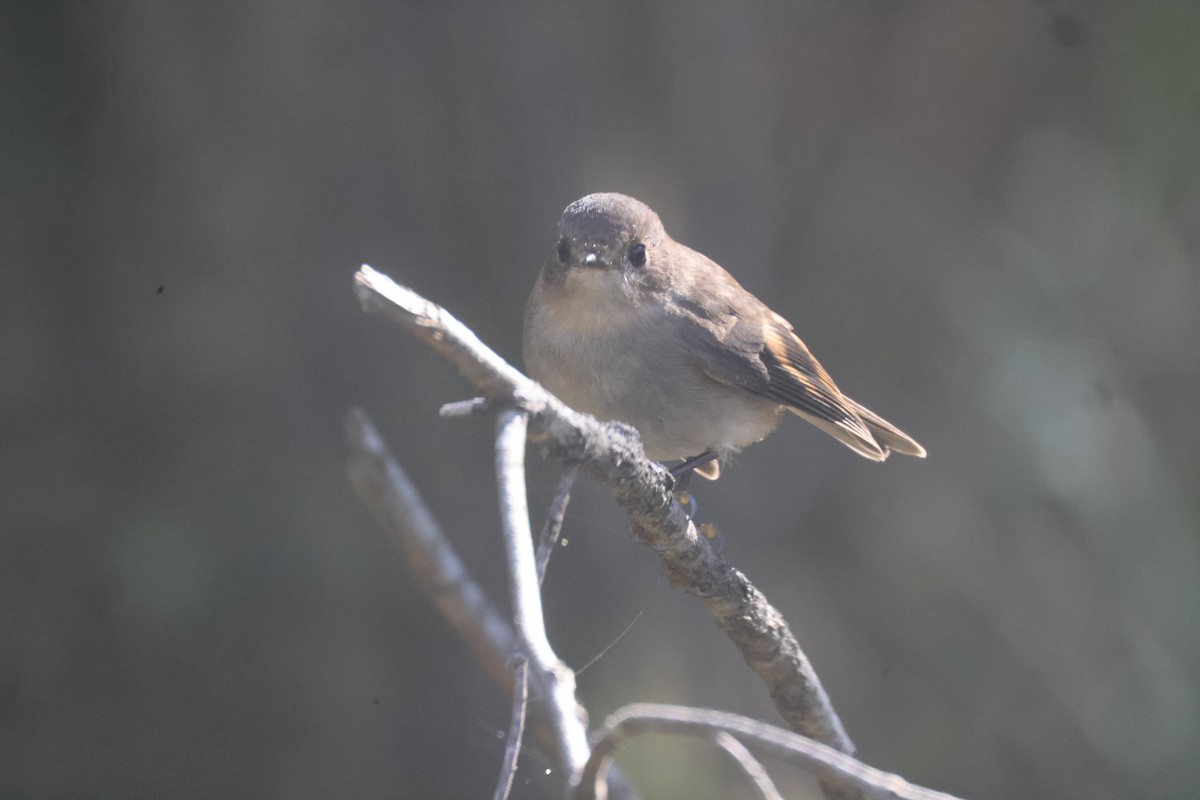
(738, 341)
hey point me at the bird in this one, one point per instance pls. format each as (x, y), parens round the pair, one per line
(627, 324)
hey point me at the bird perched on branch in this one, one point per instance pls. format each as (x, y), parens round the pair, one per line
(627, 324)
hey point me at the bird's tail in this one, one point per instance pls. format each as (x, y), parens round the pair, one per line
(886, 434)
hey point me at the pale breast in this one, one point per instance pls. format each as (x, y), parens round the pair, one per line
(633, 365)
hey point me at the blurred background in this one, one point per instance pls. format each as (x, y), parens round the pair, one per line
(984, 218)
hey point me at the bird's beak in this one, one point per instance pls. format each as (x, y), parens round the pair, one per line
(590, 259)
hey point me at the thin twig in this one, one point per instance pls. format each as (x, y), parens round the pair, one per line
(511, 429)
(554, 518)
(751, 766)
(463, 408)
(516, 729)
(611, 644)
(826, 763)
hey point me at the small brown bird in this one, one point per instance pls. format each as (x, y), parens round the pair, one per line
(627, 324)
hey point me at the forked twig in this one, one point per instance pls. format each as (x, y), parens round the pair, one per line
(557, 678)
(385, 488)
(832, 767)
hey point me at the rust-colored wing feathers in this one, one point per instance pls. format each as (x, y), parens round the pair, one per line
(757, 351)
(800, 383)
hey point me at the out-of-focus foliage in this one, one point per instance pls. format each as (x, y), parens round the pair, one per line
(983, 217)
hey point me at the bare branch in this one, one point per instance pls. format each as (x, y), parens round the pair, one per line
(552, 528)
(832, 767)
(749, 764)
(511, 427)
(564, 711)
(387, 491)
(516, 729)
(612, 453)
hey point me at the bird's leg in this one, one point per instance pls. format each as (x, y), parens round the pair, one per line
(683, 472)
(682, 476)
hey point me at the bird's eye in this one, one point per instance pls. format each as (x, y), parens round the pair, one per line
(637, 255)
(564, 251)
